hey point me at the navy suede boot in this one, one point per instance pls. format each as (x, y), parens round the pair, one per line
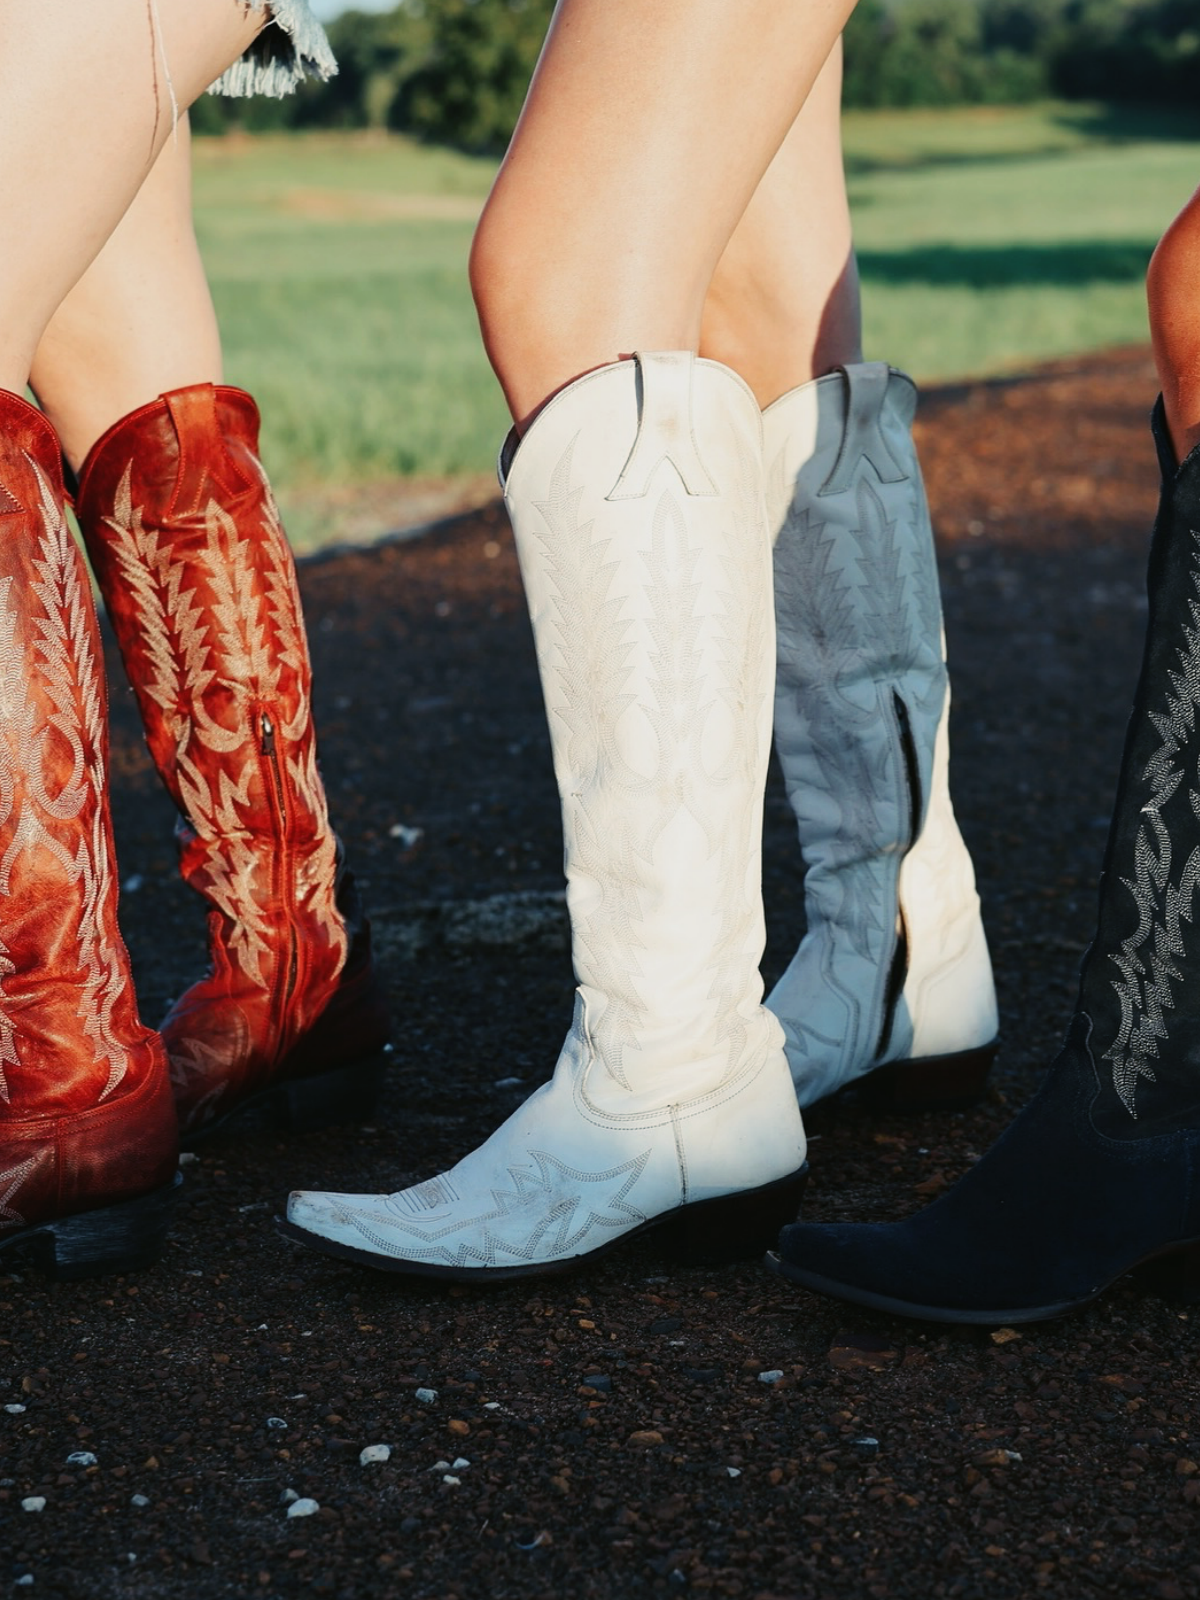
(1100, 1174)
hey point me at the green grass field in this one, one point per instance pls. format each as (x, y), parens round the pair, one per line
(988, 239)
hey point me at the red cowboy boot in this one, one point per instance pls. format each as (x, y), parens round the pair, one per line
(200, 585)
(88, 1142)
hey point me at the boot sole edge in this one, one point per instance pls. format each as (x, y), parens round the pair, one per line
(1172, 1271)
(704, 1233)
(115, 1239)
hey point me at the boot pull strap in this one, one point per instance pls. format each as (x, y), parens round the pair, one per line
(665, 430)
(207, 468)
(862, 437)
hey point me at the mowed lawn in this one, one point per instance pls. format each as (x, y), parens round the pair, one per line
(988, 239)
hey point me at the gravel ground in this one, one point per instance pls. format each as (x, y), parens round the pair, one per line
(639, 1428)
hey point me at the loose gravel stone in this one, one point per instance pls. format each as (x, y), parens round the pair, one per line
(755, 1490)
(303, 1508)
(34, 1502)
(373, 1453)
(426, 1396)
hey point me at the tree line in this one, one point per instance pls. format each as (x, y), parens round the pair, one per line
(455, 71)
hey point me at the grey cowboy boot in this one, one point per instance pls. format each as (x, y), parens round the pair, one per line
(893, 976)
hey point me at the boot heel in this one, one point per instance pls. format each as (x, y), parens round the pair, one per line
(734, 1227)
(345, 1095)
(120, 1238)
(931, 1083)
(1174, 1275)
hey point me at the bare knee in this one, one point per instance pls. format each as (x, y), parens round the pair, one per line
(558, 297)
(1173, 278)
(1173, 296)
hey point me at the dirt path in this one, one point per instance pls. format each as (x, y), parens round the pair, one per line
(620, 1441)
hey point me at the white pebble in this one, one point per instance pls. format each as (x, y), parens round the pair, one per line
(734, 1472)
(276, 1423)
(459, 1463)
(440, 1466)
(770, 1377)
(188, 1158)
(448, 1478)
(491, 1405)
(14, 1410)
(26, 1582)
(426, 1396)
(34, 1502)
(407, 836)
(288, 1497)
(139, 1500)
(303, 1508)
(132, 883)
(375, 1452)
(81, 1458)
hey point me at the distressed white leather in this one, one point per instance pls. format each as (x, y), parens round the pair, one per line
(894, 964)
(637, 502)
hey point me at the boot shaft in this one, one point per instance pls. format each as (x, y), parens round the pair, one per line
(69, 1031)
(636, 500)
(200, 587)
(894, 963)
(86, 1118)
(862, 680)
(1140, 983)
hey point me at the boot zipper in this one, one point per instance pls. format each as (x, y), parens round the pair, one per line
(284, 984)
(898, 970)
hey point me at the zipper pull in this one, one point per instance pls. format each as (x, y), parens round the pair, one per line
(268, 736)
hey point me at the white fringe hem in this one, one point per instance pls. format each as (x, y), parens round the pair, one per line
(293, 47)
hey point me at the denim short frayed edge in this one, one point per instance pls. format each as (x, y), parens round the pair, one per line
(292, 48)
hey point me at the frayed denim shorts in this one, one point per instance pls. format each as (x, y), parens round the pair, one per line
(293, 47)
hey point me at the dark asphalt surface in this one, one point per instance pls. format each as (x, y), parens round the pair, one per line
(611, 1434)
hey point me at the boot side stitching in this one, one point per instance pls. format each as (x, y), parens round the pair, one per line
(1144, 987)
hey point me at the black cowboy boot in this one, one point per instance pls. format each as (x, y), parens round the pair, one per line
(1100, 1173)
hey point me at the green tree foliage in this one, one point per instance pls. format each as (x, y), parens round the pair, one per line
(456, 71)
(470, 87)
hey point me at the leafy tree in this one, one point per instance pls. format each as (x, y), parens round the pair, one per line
(471, 86)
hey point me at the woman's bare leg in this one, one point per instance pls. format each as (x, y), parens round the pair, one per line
(783, 305)
(87, 98)
(1173, 289)
(646, 133)
(140, 322)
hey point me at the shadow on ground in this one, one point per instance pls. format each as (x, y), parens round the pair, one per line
(612, 1434)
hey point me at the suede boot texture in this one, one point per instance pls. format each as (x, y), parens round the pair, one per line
(636, 501)
(893, 977)
(1100, 1174)
(200, 586)
(88, 1144)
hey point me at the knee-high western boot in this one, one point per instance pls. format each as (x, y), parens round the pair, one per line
(200, 586)
(892, 977)
(88, 1143)
(636, 499)
(1100, 1173)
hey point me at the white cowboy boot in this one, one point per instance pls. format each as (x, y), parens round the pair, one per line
(636, 500)
(893, 975)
